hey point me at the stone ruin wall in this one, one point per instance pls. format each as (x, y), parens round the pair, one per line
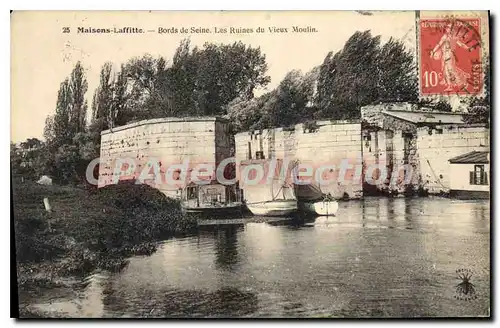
(326, 143)
(169, 141)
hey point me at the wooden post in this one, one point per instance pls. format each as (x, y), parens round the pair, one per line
(49, 210)
(47, 205)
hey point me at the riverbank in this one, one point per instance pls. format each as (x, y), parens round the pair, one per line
(381, 257)
(87, 230)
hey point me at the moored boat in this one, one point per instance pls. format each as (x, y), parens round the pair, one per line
(274, 194)
(308, 192)
(277, 207)
(326, 208)
(312, 200)
(212, 200)
(222, 210)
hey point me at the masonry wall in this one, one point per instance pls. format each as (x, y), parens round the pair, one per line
(169, 141)
(327, 143)
(427, 155)
(374, 145)
(278, 143)
(437, 146)
(224, 141)
(331, 144)
(384, 150)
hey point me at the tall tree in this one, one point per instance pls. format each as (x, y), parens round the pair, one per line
(249, 114)
(68, 121)
(102, 102)
(181, 81)
(325, 95)
(364, 72)
(103, 95)
(226, 72)
(204, 81)
(351, 77)
(71, 110)
(396, 72)
(110, 100)
(58, 127)
(120, 111)
(143, 74)
(78, 86)
(290, 103)
(198, 82)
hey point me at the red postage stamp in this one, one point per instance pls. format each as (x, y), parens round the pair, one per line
(450, 56)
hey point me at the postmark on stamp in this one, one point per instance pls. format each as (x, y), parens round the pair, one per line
(450, 56)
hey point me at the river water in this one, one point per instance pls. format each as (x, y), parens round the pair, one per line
(378, 258)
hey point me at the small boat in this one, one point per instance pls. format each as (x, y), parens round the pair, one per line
(312, 200)
(214, 210)
(326, 207)
(273, 198)
(308, 192)
(212, 200)
(278, 207)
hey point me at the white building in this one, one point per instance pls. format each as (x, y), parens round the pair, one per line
(469, 175)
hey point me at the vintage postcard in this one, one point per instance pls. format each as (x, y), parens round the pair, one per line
(232, 164)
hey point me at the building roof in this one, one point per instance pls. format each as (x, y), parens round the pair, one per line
(426, 117)
(474, 157)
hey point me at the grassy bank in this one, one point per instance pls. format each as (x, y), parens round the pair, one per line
(88, 229)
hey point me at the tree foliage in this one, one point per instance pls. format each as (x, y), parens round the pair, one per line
(61, 128)
(396, 73)
(198, 81)
(71, 110)
(28, 158)
(288, 104)
(103, 95)
(204, 81)
(78, 104)
(144, 79)
(362, 73)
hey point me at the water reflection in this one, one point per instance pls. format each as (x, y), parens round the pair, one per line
(171, 303)
(376, 258)
(226, 250)
(408, 215)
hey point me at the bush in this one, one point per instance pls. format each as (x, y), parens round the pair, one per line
(94, 228)
(34, 242)
(134, 214)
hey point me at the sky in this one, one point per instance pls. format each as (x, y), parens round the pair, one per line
(42, 56)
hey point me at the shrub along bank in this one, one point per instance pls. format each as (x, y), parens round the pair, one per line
(89, 229)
